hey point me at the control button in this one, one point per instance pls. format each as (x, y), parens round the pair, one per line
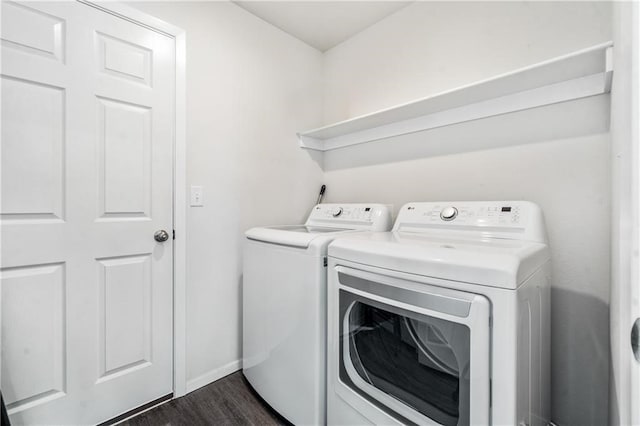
(448, 213)
(337, 211)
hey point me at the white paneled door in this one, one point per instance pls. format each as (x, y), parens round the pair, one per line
(87, 179)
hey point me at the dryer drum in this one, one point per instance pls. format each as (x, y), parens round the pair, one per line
(419, 362)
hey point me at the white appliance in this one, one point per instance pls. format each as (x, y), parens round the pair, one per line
(284, 305)
(444, 320)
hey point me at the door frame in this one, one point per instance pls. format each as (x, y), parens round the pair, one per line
(635, 207)
(624, 389)
(136, 16)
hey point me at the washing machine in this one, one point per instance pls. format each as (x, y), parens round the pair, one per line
(284, 306)
(443, 321)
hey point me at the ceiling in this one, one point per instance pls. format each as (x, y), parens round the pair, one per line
(322, 24)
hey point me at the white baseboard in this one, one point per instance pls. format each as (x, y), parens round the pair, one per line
(213, 375)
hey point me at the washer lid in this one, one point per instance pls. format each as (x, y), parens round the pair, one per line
(291, 235)
(486, 261)
(324, 221)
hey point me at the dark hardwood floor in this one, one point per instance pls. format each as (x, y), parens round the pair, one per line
(229, 401)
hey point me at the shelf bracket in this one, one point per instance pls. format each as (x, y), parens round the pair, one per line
(608, 69)
(308, 142)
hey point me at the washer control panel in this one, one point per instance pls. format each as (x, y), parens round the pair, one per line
(499, 218)
(351, 216)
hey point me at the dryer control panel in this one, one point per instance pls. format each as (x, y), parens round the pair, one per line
(374, 217)
(501, 219)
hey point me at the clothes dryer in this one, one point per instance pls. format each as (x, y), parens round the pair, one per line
(444, 320)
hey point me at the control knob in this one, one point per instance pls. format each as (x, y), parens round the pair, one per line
(448, 213)
(337, 211)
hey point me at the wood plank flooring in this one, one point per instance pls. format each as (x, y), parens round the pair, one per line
(229, 401)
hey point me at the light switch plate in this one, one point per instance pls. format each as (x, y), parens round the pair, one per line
(196, 196)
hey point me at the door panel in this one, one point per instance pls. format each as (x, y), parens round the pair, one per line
(125, 320)
(123, 59)
(33, 367)
(87, 143)
(124, 159)
(33, 149)
(32, 31)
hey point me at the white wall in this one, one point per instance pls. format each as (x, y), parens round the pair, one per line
(556, 156)
(250, 87)
(429, 47)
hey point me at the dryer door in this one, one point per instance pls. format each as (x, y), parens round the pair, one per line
(416, 351)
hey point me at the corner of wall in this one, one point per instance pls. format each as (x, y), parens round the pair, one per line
(213, 375)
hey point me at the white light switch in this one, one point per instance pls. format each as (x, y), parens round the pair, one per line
(196, 196)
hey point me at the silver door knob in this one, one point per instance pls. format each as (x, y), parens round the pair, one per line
(635, 339)
(161, 236)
